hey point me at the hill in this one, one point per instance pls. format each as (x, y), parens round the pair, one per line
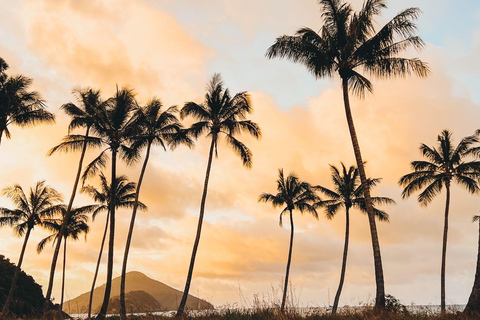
(168, 297)
(135, 301)
(28, 297)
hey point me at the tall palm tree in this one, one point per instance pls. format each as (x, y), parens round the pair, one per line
(158, 127)
(293, 194)
(445, 163)
(114, 125)
(76, 224)
(473, 305)
(18, 105)
(124, 198)
(82, 116)
(347, 193)
(220, 114)
(348, 44)
(30, 211)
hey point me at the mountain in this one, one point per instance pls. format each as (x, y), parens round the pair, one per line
(168, 297)
(136, 302)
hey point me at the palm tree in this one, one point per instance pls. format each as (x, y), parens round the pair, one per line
(29, 212)
(293, 194)
(75, 226)
(18, 105)
(445, 164)
(161, 128)
(113, 126)
(348, 194)
(473, 305)
(346, 45)
(220, 114)
(124, 198)
(82, 116)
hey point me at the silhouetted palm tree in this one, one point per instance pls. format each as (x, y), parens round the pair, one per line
(114, 125)
(30, 211)
(220, 114)
(82, 116)
(76, 224)
(473, 305)
(348, 44)
(347, 193)
(18, 105)
(293, 194)
(158, 127)
(445, 164)
(124, 198)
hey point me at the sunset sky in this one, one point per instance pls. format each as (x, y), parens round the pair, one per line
(170, 49)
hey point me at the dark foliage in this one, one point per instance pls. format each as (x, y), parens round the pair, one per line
(28, 297)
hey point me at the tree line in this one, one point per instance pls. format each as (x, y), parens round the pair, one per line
(348, 45)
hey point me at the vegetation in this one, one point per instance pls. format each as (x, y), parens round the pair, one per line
(473, 304)
(82, 116)
(445, 163)
(294, 195)
(220, 114)
(30, 211)
(346, 44)
(348, 194)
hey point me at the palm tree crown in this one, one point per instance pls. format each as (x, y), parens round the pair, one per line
(223, 114)
(293, 194)
(18, 105)
(348, 193)
(348, 42)
(30, 210)
(444, 163)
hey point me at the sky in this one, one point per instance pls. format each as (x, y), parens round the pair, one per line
(170, 49)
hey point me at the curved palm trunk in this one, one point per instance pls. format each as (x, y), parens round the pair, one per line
(287, 272)
(97, 267)
(123, 309)
(6, 306)
(377, 258)
(183, 302)
(111, 241)
(473, 305)
(62, 229)
(444, 250)
(63, 274)
(344, 261)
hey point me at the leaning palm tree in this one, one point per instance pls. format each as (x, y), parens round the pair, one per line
(82, 115)
(347, 194)
(293, 194)
(30, 211)
(445, 163)
(220, 114)
(76, 224)
(158, 127)
(473, 305)
(18, 105)
(346, 45)
(113, 126)
(124, 198)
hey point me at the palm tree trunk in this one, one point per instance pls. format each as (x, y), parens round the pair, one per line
(287, 272)
(63, 275)
(377, 258)
(123, 309)
(6, 306)
(97, 267)
(344, 261)
(473, 305)
(444, 250)
(65, 221)
(183, 302)
(111, 241)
